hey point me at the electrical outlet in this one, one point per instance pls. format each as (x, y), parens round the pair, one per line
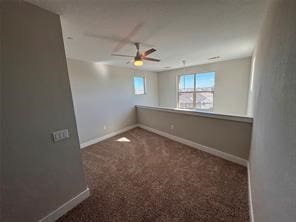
(172, 127)
(60, 135)
(105, 127)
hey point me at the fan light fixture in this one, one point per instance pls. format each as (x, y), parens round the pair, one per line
(138, 62)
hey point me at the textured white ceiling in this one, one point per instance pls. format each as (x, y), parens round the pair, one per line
(191, 30)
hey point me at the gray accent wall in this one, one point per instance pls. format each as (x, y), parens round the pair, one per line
(231, 85)
(38, 174)
(1, 111)
(273, 148)
(104, 97)
(228, 136)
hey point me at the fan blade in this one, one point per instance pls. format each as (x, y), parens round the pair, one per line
(151, 59)
(114, 39)
(122, 55)
(148, 52)
(128, 37)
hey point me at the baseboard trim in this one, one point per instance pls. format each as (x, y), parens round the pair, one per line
(190, 143)
(107, 136)
(69, 205)
(251, 210)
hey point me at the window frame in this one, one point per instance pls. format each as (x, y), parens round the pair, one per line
(145, 88)
(194, 91)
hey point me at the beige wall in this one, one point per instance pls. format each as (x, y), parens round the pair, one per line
(273, 149)
(231, 85)
(228, 136)
(38, 174)
(104, 96)
(1, 112)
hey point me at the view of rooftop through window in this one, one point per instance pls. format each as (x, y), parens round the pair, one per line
(196, 91)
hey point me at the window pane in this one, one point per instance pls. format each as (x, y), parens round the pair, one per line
(139, 85)
(186, 100)
(186, 83)
(201, 97)
(204, 101)
(205, 81)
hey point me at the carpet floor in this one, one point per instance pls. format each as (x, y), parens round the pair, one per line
(140, 176)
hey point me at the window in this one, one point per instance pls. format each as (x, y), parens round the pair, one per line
(139, 85)
(196, 91)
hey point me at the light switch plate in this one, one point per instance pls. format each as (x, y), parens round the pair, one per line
(60, 135)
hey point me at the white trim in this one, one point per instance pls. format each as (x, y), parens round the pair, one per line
(107, 136)
(210, 150)
(244, 119)
(250, 195)
(69, 205)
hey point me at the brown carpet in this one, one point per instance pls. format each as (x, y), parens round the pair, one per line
(152, 178)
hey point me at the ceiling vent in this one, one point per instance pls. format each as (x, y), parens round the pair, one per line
(216, 57)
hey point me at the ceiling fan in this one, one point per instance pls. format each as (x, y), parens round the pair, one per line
(138, 59)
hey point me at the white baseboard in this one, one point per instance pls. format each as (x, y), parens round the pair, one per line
(251, 210)
(210, 150)
(96, 140)
(69, 205)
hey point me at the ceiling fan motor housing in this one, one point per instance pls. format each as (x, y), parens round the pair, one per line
(140, 57)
